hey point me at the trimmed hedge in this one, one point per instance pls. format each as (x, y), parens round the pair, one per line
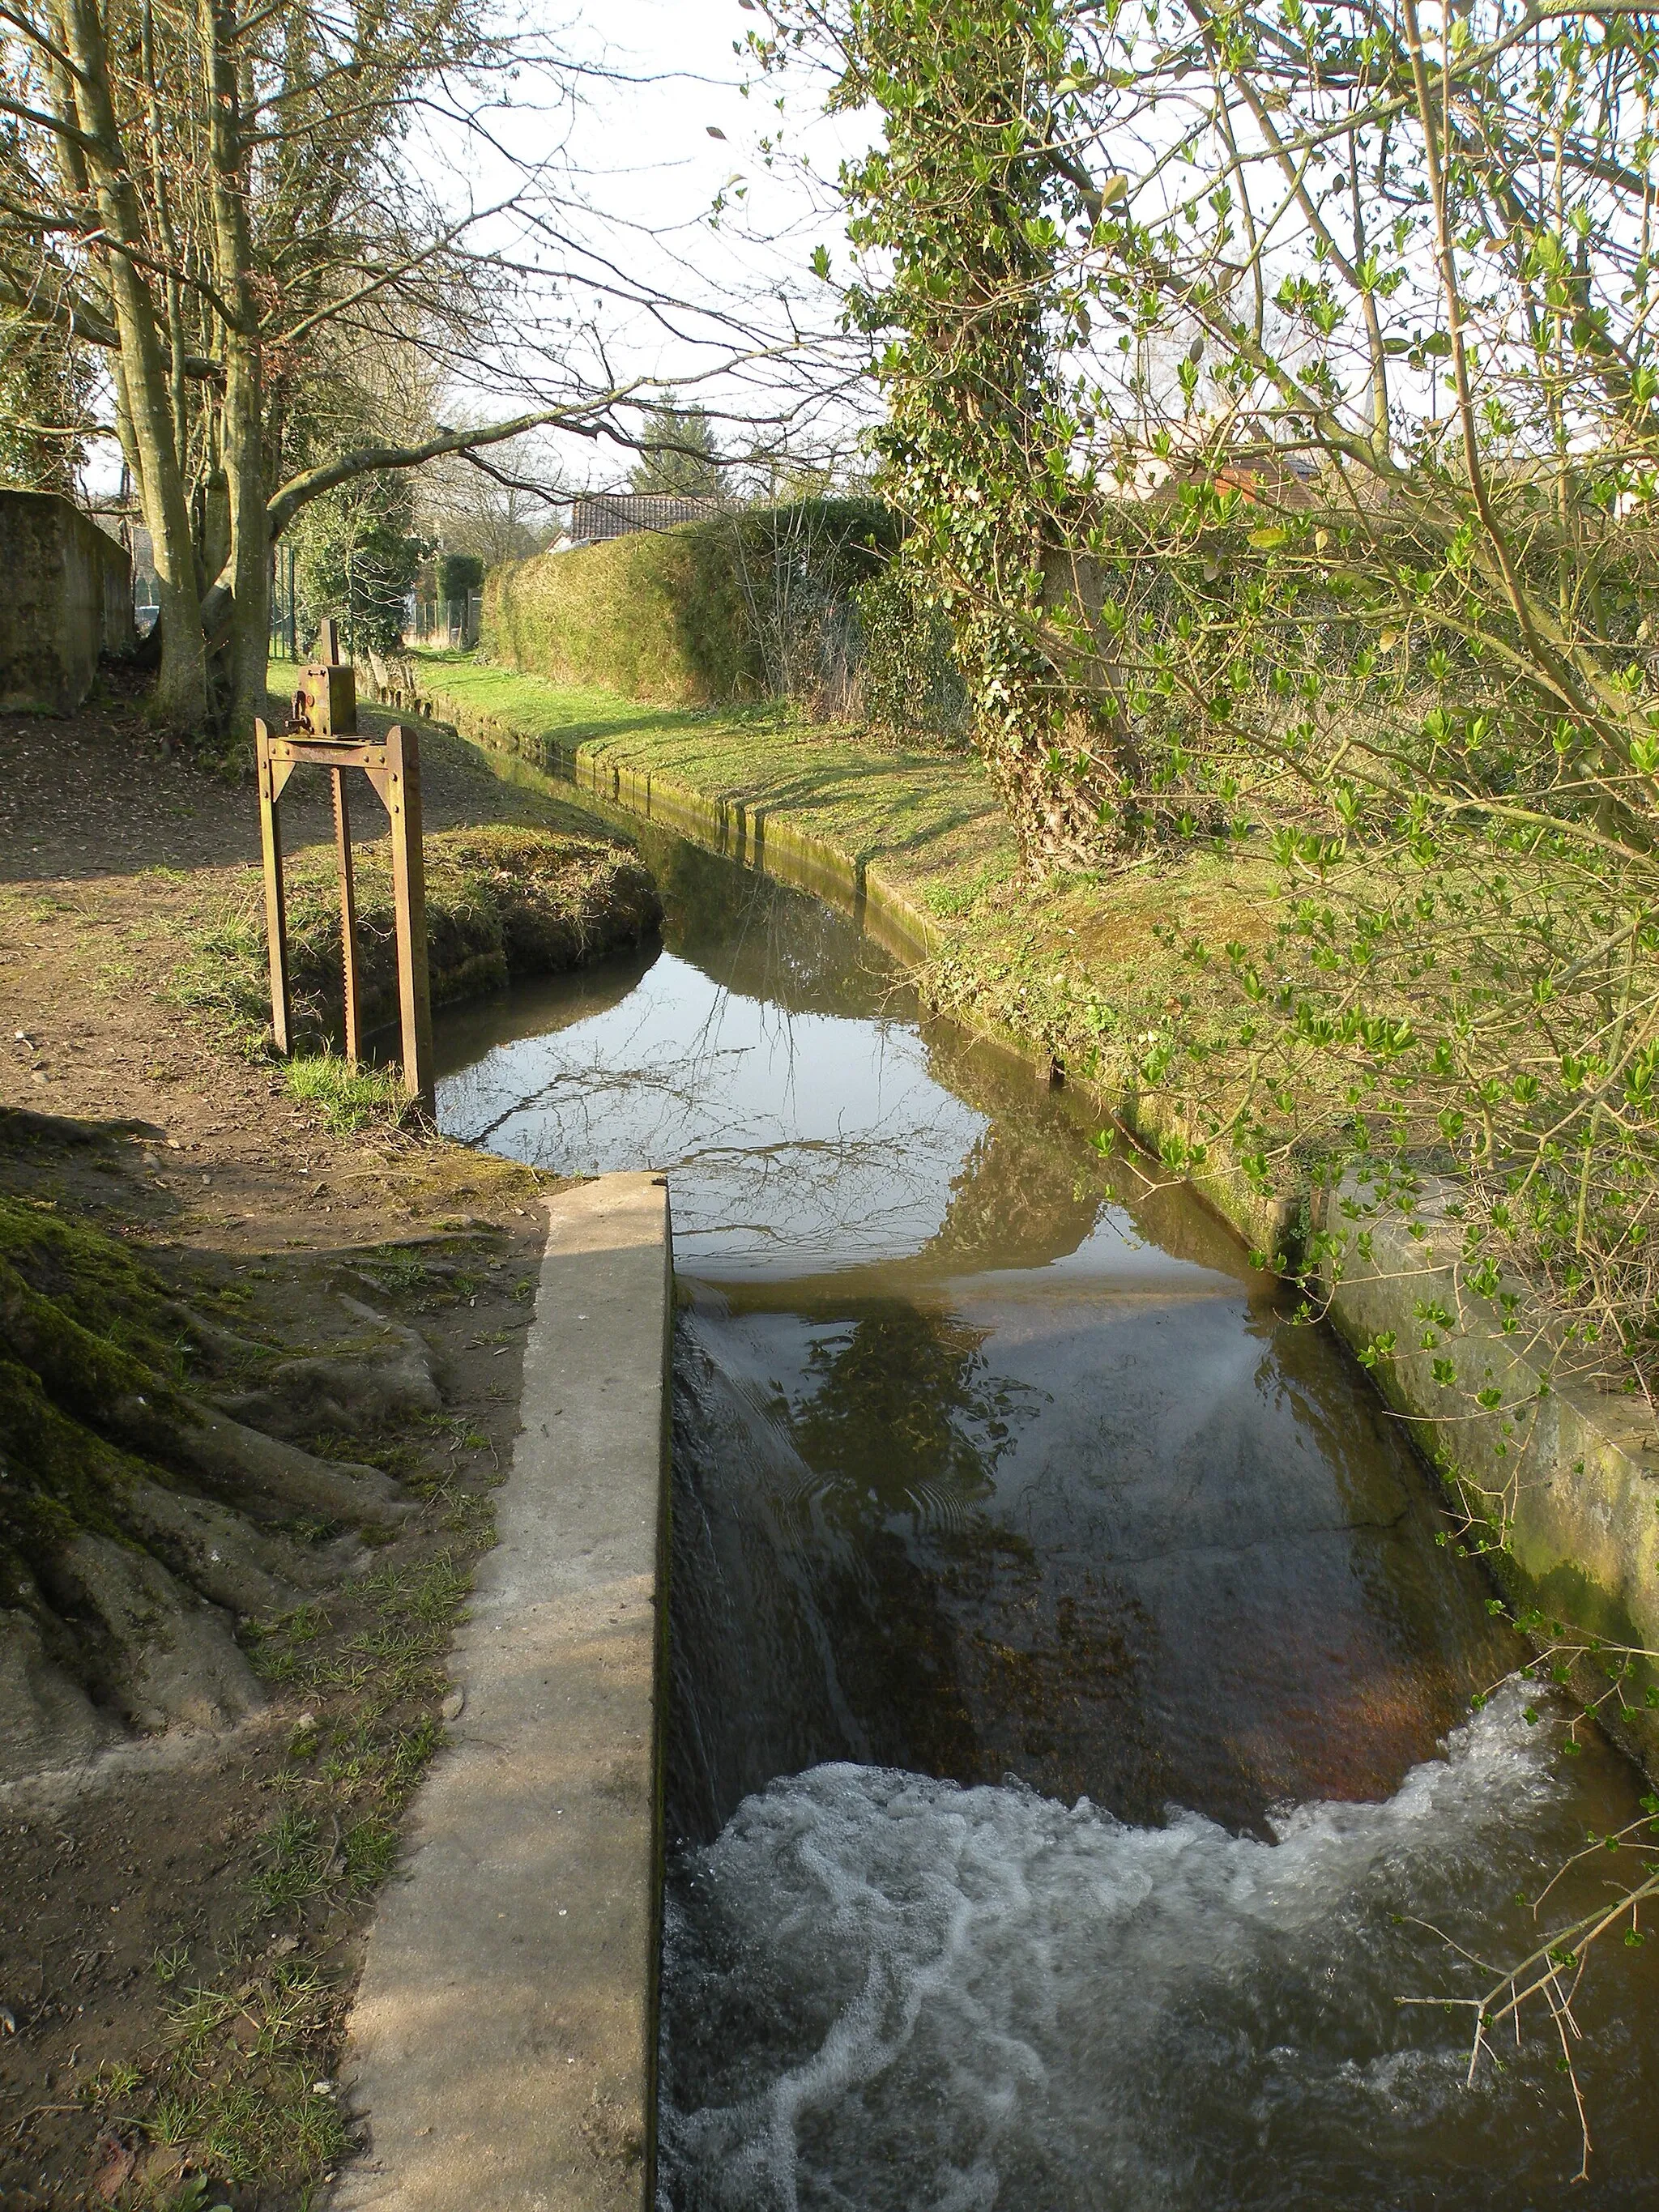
(691, 617)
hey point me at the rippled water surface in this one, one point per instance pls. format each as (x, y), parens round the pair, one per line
(1067, 1739)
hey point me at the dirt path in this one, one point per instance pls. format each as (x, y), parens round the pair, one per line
(114, 858)
(179, 1921)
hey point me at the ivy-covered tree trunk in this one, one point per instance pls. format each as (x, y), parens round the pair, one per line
(962, 198)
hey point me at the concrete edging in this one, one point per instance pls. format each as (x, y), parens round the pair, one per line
(502, 2047)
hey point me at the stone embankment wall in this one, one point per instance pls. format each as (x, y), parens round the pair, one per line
(67, 598)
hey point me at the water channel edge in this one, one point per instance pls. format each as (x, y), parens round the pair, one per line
(1578, 1469)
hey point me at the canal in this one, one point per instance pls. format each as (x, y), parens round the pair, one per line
(1071, 1765)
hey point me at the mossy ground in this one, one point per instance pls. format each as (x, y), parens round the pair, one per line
(179, 1943)
(83, 1321)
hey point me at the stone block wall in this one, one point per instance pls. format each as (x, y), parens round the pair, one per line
(66, 598)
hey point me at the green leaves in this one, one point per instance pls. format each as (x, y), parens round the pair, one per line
(1246, 573)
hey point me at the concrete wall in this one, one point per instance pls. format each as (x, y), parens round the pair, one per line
(503, 2045)
(66, 598)
(1569, 1475)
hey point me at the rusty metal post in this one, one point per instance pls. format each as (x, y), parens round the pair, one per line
(350, 961)
(323, 733)
(270, 848)
(402, 800)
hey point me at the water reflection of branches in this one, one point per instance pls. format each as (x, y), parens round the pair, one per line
(588, 1085)
(707, 1114)
(906, 1416)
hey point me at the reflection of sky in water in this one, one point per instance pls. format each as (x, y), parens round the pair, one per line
(795, 1141)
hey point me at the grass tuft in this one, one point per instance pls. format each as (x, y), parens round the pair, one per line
(350, 1095)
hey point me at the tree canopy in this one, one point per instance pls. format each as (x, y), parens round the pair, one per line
(678, 453)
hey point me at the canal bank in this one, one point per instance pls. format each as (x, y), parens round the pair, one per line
(1571, 1473)
(1067, 1739)
(503, 2044)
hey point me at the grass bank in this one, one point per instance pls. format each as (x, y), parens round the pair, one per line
(929, 820)
(1080, 969)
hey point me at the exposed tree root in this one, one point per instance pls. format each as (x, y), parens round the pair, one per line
(139, 1519)
(168, 1656)
(46, 1718)
(315, 1397)
(262, 1473)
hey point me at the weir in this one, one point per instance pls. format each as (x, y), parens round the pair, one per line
(503, 2042)
(1069, 1764)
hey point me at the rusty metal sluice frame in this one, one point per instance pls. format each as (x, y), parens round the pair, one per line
(324, 736)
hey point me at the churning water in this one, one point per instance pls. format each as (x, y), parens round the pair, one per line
(1068, 1772)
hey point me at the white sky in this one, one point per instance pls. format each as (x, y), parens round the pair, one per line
(645, 161)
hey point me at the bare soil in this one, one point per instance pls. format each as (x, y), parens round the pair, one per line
(181, 1920)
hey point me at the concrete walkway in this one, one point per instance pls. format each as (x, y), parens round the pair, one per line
(504, 2045)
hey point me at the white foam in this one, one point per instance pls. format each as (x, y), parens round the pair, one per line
(888, 1991)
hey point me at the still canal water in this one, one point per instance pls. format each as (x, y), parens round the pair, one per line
(1070, 1734)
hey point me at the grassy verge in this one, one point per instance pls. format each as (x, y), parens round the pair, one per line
(1086, 968)
(932, 820)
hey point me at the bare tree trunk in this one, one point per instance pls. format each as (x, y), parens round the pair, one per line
(181, 689)
(242, 432)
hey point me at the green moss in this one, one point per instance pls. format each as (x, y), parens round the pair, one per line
(112, 1294)
(59, 1476)
(84, 1326)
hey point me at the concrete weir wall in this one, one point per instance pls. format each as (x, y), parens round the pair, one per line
(502, 2048)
